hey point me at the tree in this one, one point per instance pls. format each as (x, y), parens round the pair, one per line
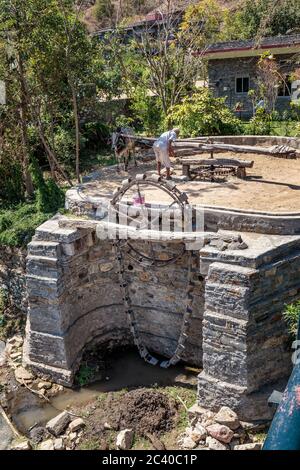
(203, 114)
(169, 57)
(105, 12)
(50, 63)
(202, 22)
(260, 18)
(269, 80)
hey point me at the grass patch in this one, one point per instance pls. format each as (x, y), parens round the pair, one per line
(188, 397)
(89, 444)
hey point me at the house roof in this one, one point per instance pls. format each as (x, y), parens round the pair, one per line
(276, 44)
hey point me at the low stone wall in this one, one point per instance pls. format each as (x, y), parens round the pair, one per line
(260, 140)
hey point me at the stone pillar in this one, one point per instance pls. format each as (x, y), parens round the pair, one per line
(245, 340)
(74, 299)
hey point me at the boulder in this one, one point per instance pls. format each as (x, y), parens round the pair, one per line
(213, 444)
(23, 374)
(21, 445)
(227, 417)
(72, 436)
(197, 433)
(47, 445)
(124, 439)
(59, 444)
(220, 432)
(38, 433)
(44, 385)
(251, 446)
(196, 411)
(188, 443)
(58, 424)
(76, 424)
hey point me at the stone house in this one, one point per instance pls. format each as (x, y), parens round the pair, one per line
(232, 69)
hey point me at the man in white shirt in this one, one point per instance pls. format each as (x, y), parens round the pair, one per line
(163, 150)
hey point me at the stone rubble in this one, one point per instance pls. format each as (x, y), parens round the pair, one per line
(125, 439)
(59, 444)
(216, 431)
(220, 432)
(58, 424)
(227, 417)
(22, 445)
(46, 445)
(76, 424)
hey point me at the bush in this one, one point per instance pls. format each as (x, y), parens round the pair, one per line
(203, 114)
(297, 130)
(260, 123)
(11, 188)
(292, 315)
(17, 226)
(148, 111)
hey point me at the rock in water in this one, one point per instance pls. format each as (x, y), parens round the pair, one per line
(220, 432)
(124, 439)
(58, 424)
(227, 417)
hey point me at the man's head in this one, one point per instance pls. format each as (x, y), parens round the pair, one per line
(176, 130)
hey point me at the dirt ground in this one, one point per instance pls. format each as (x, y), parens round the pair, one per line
(273, 185)
(146, 411)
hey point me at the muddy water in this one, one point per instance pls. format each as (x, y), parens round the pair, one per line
(126, 371)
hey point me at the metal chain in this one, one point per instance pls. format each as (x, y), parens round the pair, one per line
(144, 353)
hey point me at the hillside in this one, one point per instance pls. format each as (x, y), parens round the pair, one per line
(90, 19)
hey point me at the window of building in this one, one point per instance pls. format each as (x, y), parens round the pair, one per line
(285, 88)
(242, 84)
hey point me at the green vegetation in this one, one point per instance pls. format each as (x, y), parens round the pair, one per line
(203, 114)
(261, 17)
(85, 375)
(181, 395)
(89, 444)
(292, 315)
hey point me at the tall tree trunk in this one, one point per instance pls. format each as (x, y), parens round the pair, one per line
(77, 131)
(24, 131)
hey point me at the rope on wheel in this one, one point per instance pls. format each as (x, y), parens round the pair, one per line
(132, 322)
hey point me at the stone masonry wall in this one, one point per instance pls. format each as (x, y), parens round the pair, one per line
(159, 297)
(228, 69)
(75, 299)
(12, 276)
(246, 346)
